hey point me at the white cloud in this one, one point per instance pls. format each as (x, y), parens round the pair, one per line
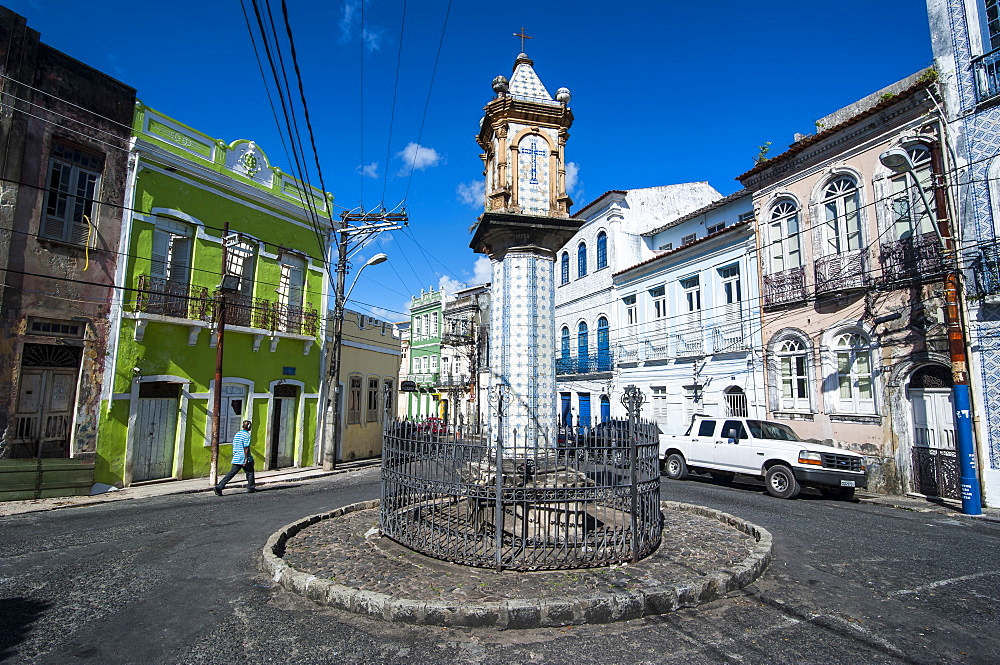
(472, 193)
(572, 176)
(482, 271)
(350, 26)
(449, 285)
(416, 156)
(368, 170)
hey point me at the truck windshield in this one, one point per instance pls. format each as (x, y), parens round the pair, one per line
(762, 429)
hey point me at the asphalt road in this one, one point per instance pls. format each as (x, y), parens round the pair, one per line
(175, 579)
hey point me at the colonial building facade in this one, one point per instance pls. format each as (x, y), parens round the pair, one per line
(690, 333)
(426, 313)
(965, 36)
(183, 188)
(588, 326)
(854, 341)
(65, 131)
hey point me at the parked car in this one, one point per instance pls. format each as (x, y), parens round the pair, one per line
(724, 447)
(433, 427)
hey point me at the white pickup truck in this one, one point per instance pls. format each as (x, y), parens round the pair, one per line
(724, 447)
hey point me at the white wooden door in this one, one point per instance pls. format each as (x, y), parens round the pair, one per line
(284, 432)
(154, 435)
(933, 418)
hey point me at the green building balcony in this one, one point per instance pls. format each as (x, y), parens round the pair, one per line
(183, 301)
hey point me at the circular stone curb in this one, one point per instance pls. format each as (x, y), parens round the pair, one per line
(521, 613)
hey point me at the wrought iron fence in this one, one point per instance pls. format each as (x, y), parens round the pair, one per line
(580, 498)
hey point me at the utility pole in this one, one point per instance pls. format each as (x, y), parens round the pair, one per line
(225, 285)
(961, 393)
(358, 228)
(898, 160)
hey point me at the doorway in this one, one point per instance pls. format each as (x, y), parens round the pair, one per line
(934, 457)
(155, 430)
(283, 426)
(46, 398)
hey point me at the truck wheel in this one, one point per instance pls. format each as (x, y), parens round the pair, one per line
(722, 476)
(837, 493)
(676, 467)
(781, 482)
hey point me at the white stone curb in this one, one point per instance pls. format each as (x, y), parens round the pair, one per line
(521, 613)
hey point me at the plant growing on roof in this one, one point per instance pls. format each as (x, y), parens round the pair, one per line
(762, 151)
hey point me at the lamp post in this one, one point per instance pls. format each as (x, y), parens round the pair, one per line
(898, 161)
(340, 300)
(229, 283)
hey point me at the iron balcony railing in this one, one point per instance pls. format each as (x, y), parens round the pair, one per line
(915, 258)
(690, 342)
(987, 75)
(424, 378)
(840, 272)
(785, 287)
(165, 297)
(454, 380)
(728, 337)
(986, 269)
(589, 363)
(169, 298)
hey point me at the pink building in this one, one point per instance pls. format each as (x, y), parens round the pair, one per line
(853, 324)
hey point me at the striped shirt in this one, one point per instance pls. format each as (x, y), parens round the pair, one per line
(241, 445)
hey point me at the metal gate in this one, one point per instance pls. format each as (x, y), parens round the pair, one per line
(934, 458)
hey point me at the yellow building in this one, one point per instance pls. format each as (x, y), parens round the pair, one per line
(369, 376)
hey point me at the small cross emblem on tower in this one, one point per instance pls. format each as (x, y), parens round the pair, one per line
(523, 37)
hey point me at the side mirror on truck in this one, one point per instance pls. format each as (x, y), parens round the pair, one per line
(733, 435)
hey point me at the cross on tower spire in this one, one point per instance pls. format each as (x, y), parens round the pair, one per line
(523, 37)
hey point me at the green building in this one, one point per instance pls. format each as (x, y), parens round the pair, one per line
(425, 354)
(183, 186)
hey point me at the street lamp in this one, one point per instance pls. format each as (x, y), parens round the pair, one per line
(340, 300)
(898, 161)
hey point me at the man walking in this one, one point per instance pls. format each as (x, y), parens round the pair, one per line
(241, 460)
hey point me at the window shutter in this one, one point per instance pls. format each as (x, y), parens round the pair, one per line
(180, 259)
(83, 208)
(158, 257)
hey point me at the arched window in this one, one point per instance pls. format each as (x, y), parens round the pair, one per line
(603, 346)
(736, 402)
(565, 267)
(909, 216)
(842, 216)
(564, 363)
(784, 249)
(792, 360)
(582, 347)
(581, 260)
(605, 408)
(602, 250)
(854, 373)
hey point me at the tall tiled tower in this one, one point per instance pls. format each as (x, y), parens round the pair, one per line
(523, 136)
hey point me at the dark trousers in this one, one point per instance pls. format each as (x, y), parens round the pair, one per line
(247, 469)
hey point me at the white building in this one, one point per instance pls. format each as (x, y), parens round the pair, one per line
(690, 318)
(587, 313)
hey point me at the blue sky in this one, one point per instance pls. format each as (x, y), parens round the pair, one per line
(663, 92)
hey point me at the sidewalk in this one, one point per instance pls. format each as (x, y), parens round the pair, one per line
(187, 486)
(921, 504)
